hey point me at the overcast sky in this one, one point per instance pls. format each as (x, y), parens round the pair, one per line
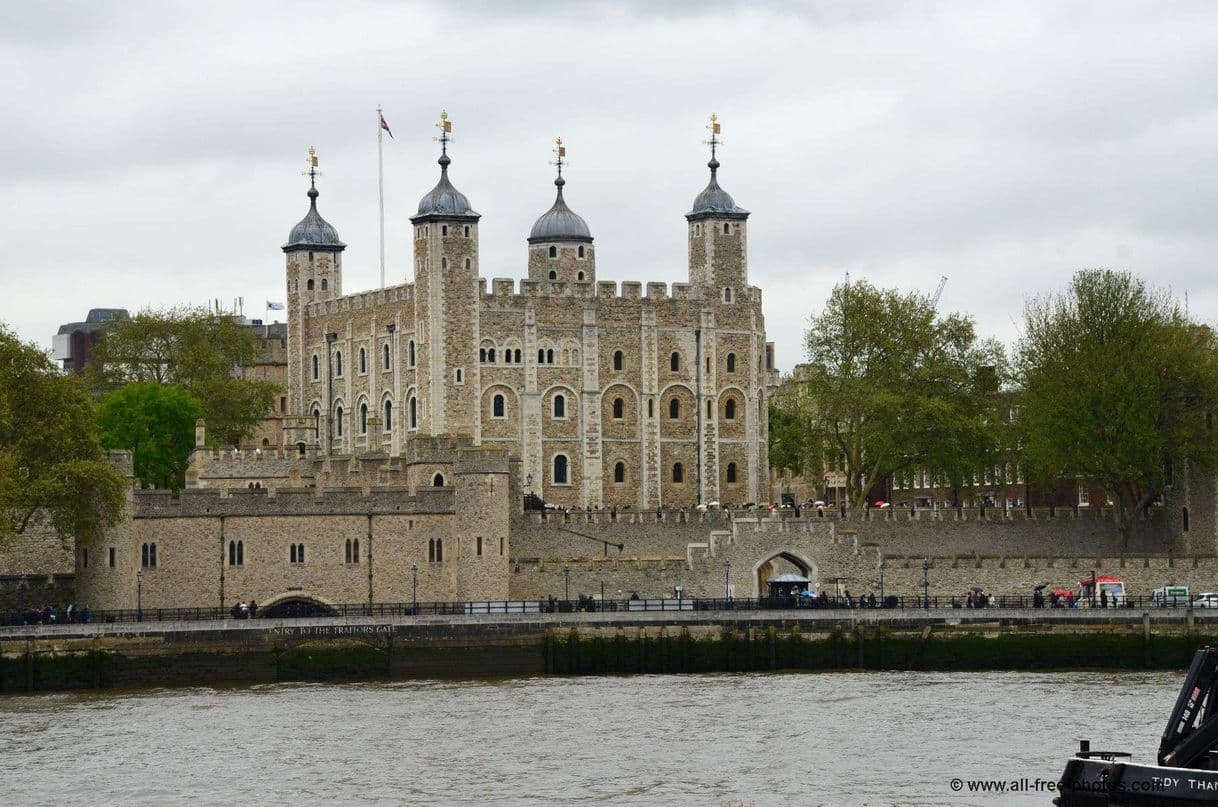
(151, 153)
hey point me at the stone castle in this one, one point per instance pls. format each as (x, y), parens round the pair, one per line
(608, 395)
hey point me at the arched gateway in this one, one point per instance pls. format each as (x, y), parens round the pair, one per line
(787, 561)
(295, 604)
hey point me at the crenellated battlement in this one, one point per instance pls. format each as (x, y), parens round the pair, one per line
(213, 502)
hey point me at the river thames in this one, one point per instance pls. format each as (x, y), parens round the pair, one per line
(759, 739)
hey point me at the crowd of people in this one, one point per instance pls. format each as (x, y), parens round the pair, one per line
(54, 615)
(244, 610)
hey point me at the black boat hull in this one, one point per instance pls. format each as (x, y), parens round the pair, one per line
(1100, 783)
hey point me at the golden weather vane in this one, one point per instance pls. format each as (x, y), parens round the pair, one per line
(311, 162)
(713, 141)
(445, 126)
(560, 152)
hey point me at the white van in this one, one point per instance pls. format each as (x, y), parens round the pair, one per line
(1170, 597)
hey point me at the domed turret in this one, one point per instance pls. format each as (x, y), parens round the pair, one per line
(560, 243)
(444, 201)
(714, 202)
(313, 232)
(560, 223)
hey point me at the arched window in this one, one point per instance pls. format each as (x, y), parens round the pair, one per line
(727, 294)
(437, 481)
(338, 422)
(579, 275)
(709, 412)
(482, 355)
(553, 274)
(553, 252)
(467, 231)
(729, 409)
(550, 356)
(439, 550)
(619, 473)
(444, 263)
(467, 264)
(300, 448)
(414, 413)
(478, 546)
(385, 352)
(541, 355)
(651, 408)
(674, 409)
(316, 367)
(443, 230)
(617, 360)
(324, 284)
(363, 361)
(363, 418)
(388, 415)
(232, 553)
(410, 352)
(316, 424)
(726, 228)
(498, 407)
(490, 355)
(338, 363)
(731, 362)
(674, 362)
(678, 473)
(309, 284)
(560, 406)
(516, 357)
(619, 408)
(347, 552)
(354, 550)
(731, 473)
(144, 556)
(431, 550)
(560, 469)
(1184, 519)
(581, 254)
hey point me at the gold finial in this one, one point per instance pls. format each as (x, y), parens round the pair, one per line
(714, 123)
(445, 125)
(559, 148)
(311, 161)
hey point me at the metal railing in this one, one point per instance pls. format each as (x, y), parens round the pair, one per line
(909, 603)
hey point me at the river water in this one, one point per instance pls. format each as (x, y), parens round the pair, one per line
(836, 739)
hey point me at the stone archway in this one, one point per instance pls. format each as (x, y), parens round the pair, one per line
(295, 604)
(781, 562)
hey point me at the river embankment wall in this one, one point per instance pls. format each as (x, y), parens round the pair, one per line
(46, 658)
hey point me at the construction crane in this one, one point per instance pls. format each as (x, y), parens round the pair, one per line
(934, 300)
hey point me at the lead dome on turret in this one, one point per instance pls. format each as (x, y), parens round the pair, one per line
(714, 201)
(560, 223)
(313, 232)
(444, 200)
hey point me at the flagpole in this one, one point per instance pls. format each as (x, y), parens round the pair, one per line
(380, 183)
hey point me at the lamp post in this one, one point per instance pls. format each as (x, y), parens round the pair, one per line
(414, 588)
(566, 583)
(727, 579)
(139, 595)
(926, 584)
(881, 584)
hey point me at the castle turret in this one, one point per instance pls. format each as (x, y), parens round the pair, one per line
(560, 243)
(446, 312)
(718, 247)
(313, 254)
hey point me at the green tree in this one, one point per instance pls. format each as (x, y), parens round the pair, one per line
(52, 472)
(157, 423)
(1117, 386)
(204, 353)
(892, 387)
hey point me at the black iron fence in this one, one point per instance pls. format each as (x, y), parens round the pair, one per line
(911, 603)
